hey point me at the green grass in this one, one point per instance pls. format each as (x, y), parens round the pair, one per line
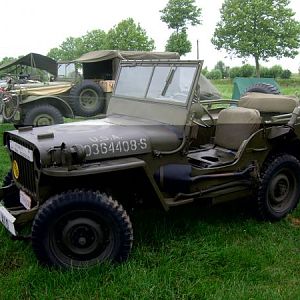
(191, 252)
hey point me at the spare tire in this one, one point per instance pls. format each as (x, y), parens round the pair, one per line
(87, 99)
(264, 88)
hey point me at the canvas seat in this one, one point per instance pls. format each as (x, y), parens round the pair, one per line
(234, 126)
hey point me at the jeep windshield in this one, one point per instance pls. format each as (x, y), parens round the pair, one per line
(164, 83)
(155, 90)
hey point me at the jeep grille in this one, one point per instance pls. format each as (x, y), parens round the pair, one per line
(26, 169)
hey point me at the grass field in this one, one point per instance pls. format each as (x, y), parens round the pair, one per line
(192, 252)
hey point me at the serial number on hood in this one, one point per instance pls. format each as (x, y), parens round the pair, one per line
(103, 148)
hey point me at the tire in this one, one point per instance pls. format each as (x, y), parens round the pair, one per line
(87, 99)
(264, 88)
(11, 199)
(42, 115)
(279, 188)
(80, 229)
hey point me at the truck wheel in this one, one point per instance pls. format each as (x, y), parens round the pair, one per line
(87, 99)
(13, 198)
(264, 88)
(279, 189)
(80, 229)
(42, 115)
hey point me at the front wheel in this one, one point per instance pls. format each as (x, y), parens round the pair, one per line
(42, 115)
(279, 189)
(80, 229)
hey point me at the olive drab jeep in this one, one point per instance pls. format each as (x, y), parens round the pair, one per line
(75, 183)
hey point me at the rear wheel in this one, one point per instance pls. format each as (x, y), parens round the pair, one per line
(80, 229)
(42, 115)
(279, 190)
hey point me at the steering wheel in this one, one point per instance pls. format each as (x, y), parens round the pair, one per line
(199, 113)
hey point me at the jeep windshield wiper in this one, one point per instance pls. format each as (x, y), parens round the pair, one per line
(168, 81)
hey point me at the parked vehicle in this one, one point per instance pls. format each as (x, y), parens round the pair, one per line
(68, 94)
(75, 183)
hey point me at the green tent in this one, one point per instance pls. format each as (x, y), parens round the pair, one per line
(241, 84)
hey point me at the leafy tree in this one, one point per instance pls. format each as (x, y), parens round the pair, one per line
(127, 35)
(257, 28)
(286, 74)
(235, 72)
(6, 60)
(70, 49)
(178, 14)
(178, 42)
(247, 70)
(276, 71)
(222, 67)
(94, 40)
(214, 74)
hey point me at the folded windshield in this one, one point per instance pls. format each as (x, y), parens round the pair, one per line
(158, 83)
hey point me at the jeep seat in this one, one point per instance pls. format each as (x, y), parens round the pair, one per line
(234, 126)
(269, 103)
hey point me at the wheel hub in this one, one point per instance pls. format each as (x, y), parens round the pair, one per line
(279, 188)
(82, 236)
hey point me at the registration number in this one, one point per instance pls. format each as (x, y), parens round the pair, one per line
(7, 220)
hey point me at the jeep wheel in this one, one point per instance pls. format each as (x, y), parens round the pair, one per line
(12, 197)
(42, 115)
(264, 88)
(87, 99)
(80, 229)
(279, 190)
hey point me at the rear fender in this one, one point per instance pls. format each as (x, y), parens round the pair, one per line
(57, 102)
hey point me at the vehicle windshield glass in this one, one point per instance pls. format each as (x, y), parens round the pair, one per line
(158, 83)
(66, 71)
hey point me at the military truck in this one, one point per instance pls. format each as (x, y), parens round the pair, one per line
(76, 183)
(68, 93)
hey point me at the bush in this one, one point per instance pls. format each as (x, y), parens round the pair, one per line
(235, 72)
(286, 74)
(276, 71)
(214, 74)
(247, 71)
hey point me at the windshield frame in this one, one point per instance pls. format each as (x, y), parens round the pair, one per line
(172, 65)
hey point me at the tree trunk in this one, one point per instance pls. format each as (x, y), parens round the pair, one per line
(257, 67)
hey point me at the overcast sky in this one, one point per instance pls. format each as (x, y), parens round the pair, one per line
(38, 25)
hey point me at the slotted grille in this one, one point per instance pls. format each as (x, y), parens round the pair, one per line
(26, 169)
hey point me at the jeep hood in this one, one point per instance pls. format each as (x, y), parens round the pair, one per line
(115, 136)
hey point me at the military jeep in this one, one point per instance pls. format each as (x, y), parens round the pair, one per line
(75, 183)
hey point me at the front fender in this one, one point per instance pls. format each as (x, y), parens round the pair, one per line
(109, 166)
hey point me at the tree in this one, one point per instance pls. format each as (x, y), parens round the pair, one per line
(178, 14)
(70, 49)
(129, 36)
(257, 28)
(73, 48)
(178, 42)
(94, 40)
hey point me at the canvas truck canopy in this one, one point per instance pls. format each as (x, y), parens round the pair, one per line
(34, 60)
(207, 90)
(103, 64)
(241, 84)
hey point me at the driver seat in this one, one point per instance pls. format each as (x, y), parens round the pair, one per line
(234, 126)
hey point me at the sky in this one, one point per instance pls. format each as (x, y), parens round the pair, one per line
(39, 25)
